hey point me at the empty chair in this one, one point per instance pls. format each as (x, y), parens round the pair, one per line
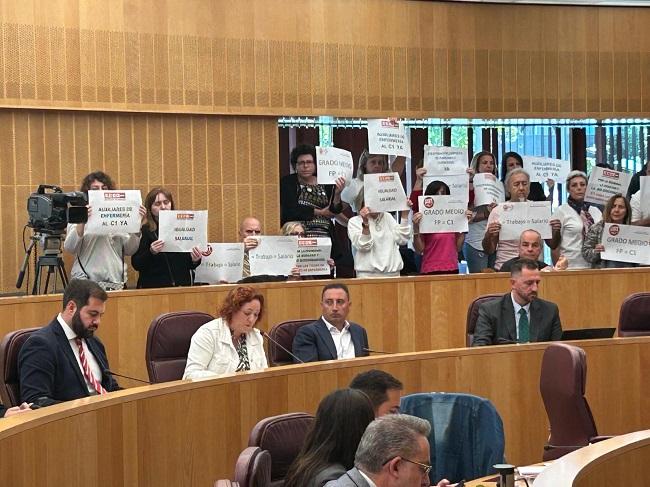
(168, 341)
(284, 333)
(466, 436)
(562, 384)
(9, 351)
(634, 318)
(472, 315)
(283, 437)
(253, 469)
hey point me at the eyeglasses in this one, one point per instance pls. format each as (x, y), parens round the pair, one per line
(425, 468)
(297, 234)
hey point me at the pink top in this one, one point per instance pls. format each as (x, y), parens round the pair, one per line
(440, 252)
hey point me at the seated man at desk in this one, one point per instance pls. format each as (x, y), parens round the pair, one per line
(331, 337)
(519, 316)
(64, 360)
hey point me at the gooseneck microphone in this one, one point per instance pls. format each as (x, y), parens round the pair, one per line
(266, 335)
(110, 372)
(369, 350)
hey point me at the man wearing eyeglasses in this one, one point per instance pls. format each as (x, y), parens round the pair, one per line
(249, 229)
(393, 452)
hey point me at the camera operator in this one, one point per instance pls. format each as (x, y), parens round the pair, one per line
(100, 257)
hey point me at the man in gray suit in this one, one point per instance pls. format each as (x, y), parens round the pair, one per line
(393, 452)
(519, 316)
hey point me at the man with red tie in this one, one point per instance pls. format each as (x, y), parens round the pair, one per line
(64, 360)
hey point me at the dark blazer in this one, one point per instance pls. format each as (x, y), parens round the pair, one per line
(165, 269)
(496, 324)
(49, 372)
(314, 343)
(351, 478)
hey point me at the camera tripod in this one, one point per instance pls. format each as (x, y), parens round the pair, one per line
(50, 260)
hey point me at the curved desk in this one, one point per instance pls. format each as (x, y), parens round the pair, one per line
(407, 314)
(190, 433)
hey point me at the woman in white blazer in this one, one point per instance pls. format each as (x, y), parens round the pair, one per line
(230, 343)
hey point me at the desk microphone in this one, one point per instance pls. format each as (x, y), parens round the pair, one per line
(377, 351)
(266, 335)
(110, 372)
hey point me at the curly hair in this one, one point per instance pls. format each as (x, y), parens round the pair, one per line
(237, 298)
(100, 176)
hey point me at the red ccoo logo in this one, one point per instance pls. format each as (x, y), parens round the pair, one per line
(611, 174)
(614, 230)
(428, 202)
(185, 216)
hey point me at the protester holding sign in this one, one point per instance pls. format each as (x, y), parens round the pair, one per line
(617, 210)
(517, 186)
(477, 258)
(303, 199)
(576, 216)
(512, 160)
(158, 268)
(375, 239)
(100, 258)
(295, 229)
(640, 201)
(369, 164)
(439, 250)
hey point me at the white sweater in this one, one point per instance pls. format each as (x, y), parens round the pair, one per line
(378, 253)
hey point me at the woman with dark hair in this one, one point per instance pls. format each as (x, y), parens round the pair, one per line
(439, 250)
(512, 160)
(229, 343)
(100, 257)
(157, 268)
(329, 448)
(617, 210)
(303, 199)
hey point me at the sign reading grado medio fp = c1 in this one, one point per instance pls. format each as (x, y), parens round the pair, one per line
(221, 262)
(181, 231)
(114, 211)
(388, 136)
(333, 163)
(626, 243)
(384, 192)
(442, 214)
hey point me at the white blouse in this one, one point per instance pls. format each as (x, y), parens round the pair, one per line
(571, 244)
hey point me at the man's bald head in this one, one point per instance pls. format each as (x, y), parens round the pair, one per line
(250, 226)
(530, 245)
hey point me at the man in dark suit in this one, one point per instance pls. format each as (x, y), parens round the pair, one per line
(519, 316)
(331, 337)
(393, 452)
(64, 360)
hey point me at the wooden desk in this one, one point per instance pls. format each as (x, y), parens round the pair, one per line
(190, 433)
(401, 314)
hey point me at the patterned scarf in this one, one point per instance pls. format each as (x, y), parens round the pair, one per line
(582, 209)
(242, 351)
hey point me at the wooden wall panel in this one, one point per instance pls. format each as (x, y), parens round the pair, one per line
(293, 57)
(191, 154)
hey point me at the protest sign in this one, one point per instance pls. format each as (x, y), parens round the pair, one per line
(487, 189)
(458, 184)
(644, 195)
(442, 213)
(384, 192)
(388, 136)
(527, 215)
(626, 243)
(333, 163)
(312, 256)
(181, 231)
(274, 256)
(221, 262)
(444, 160)
(114, 212)
(604, 183)
(542, 168)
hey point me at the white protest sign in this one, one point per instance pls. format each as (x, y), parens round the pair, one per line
(527, 215)
(458, 184)
(181, 231)
(313, 254)
(333, 163)
(222, 262)
(384, 192)
(604, 183)
(542, 168)
(442, 213)
(114, 212)
(626, 243)
(487, 189)
(275, 256)
(644, 195)
(388, 136)
(444, 160)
